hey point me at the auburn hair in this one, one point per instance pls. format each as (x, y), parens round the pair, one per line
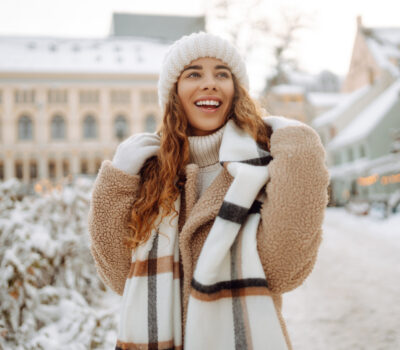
(163, 176)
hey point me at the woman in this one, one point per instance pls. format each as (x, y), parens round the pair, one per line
(203, 225)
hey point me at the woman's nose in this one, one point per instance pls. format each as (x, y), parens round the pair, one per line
(209, 82)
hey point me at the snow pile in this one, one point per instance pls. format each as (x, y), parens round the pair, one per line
(50, 295)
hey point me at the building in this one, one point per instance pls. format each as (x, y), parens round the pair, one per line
(300, 95)
(361, 134)
(65, 104)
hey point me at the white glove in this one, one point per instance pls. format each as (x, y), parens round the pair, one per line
(279, 122)
(132, 153)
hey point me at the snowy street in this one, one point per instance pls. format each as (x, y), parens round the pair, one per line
(351, 300)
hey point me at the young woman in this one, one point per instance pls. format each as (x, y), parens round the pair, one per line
(203, 225)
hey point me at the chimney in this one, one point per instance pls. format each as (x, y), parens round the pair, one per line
(359, 22)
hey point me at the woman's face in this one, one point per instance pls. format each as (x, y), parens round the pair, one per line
(205, 89)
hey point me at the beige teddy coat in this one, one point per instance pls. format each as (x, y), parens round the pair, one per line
(288, 236)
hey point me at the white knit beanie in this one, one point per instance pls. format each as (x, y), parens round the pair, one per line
(194, 46)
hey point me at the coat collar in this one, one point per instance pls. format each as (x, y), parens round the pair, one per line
(200, 210)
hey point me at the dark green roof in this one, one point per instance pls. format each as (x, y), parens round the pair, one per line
(162, 27)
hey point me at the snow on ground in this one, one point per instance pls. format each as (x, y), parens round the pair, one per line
(351, 299)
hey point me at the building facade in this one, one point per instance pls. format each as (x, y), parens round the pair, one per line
(361, 134)
(65, 104)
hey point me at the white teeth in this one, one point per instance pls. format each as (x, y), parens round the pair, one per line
(208, 102)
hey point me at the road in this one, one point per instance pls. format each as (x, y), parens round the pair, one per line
(351, 300)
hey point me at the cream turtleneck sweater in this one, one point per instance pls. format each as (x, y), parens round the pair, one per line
(204, 151)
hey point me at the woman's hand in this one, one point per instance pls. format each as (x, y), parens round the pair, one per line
(134, 151)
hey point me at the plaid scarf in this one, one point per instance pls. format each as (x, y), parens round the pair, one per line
(229, 305)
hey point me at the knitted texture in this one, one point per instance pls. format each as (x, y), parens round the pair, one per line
(189, 48)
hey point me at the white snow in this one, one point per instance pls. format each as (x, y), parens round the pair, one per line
(381, 165)
(351, 299)
(284, 89)
(365, 122)
(50, 294)
(330, 116)
(384, 44)
(325, 99)
(68, 55)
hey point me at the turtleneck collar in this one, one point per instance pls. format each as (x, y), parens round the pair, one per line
(204, 150)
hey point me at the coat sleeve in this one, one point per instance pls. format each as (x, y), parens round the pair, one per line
(113, 194)
(290, 231)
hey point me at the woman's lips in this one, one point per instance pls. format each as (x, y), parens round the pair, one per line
(208, 108)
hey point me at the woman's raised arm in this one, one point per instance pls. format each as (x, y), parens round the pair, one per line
(292, 214)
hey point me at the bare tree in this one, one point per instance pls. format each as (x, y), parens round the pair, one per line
(240, 21)
(249, 28)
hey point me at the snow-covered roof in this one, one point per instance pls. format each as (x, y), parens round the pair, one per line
(76, 55)
(364, 166)
(365, 122)
(284, 89)
(325, 99)
(384, 44)
(349, 169)
(347, 101)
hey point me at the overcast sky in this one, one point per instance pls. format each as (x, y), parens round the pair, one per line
(327, 44)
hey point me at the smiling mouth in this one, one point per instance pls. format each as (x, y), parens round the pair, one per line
(208, 108)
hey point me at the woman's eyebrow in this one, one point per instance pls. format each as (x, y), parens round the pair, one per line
(201, 67)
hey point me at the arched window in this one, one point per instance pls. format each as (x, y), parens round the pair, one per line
(25, 128)
(1, 170)
(89, 127)
(65, 167)
(120, 127)
(150, 123)
(84, 166)
(19, 169)
(51, 166)
(33, 169)
(58, 127)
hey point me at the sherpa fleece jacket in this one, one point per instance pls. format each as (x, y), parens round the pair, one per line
(289, 233)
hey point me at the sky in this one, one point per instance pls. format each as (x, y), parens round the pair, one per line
(325, 44)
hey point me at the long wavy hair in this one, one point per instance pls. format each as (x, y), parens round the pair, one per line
(163, 176)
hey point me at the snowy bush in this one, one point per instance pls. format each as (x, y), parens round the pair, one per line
(50, 294)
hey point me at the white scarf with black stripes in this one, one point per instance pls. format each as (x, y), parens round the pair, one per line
(229, 306)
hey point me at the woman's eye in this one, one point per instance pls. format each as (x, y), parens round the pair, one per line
(193, 74)
(224, 74)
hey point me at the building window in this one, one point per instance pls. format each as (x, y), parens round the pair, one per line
(57, 127)
(362, 151)
(33, 169)
(65, 167)
(19, 170)
(149, 97)
(337, 158)
(350, 155)
(24, 96)
(84, 166)
(25, 128)
(57, 96)
(89, 97)
(1, 170)
(120, 127)
(97, 164)
(89, 127)
(150, 123)
(120, 97)
(52, 169)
